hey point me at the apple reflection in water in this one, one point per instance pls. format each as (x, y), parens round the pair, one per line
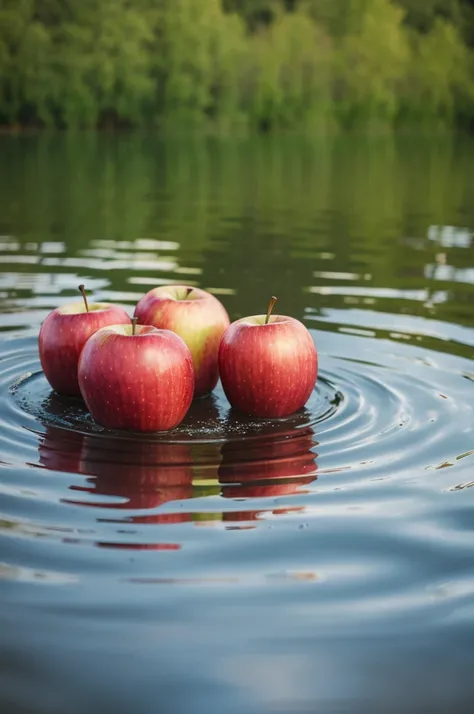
(144, 474)
(273, 466)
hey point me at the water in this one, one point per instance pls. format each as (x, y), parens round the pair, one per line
(324, 563)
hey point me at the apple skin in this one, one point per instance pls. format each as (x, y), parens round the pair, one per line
(197, 317)
(268, 370)
(143, 382)
(64, 333)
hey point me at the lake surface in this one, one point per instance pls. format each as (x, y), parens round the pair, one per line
(319, 564)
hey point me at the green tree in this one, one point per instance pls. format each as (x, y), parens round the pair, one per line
(256, 13)
(422, 14)
(339, 17)
(269, 64)
(371, 63)
(439, 78)
(290, 72)
(200, 53)
(73, 63)
(15, 18)
(103, 65)
(467, 21)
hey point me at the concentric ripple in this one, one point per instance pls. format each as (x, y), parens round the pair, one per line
(239, 565)
(210, 419)
(395, 419)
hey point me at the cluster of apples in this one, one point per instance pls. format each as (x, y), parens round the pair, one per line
(142, 373)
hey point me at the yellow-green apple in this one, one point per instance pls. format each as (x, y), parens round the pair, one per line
(268, 364)
(136, 377)
(64, 333)
(196, 316)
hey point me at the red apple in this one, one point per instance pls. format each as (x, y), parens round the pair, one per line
(136, 378)
(64, 333)
(268, 365)
(196, 316)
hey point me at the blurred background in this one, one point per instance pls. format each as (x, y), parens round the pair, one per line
(228, 65)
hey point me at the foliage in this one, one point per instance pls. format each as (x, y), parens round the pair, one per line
(438, 83)
(289, 80)
(265, 64)
(373, 60)
(201, 51)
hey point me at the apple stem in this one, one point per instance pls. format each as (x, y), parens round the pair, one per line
(188, 292)
(271, 305)
(82, 290)
(134, 324)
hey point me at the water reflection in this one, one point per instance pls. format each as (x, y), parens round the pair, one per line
(238, 217)
(121, 474)
(308, 549)
(129, 474)
(267, 469)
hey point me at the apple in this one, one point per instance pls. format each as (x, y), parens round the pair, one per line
(268, 365)
(64, 333)
(197, 317)
(136, 377)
